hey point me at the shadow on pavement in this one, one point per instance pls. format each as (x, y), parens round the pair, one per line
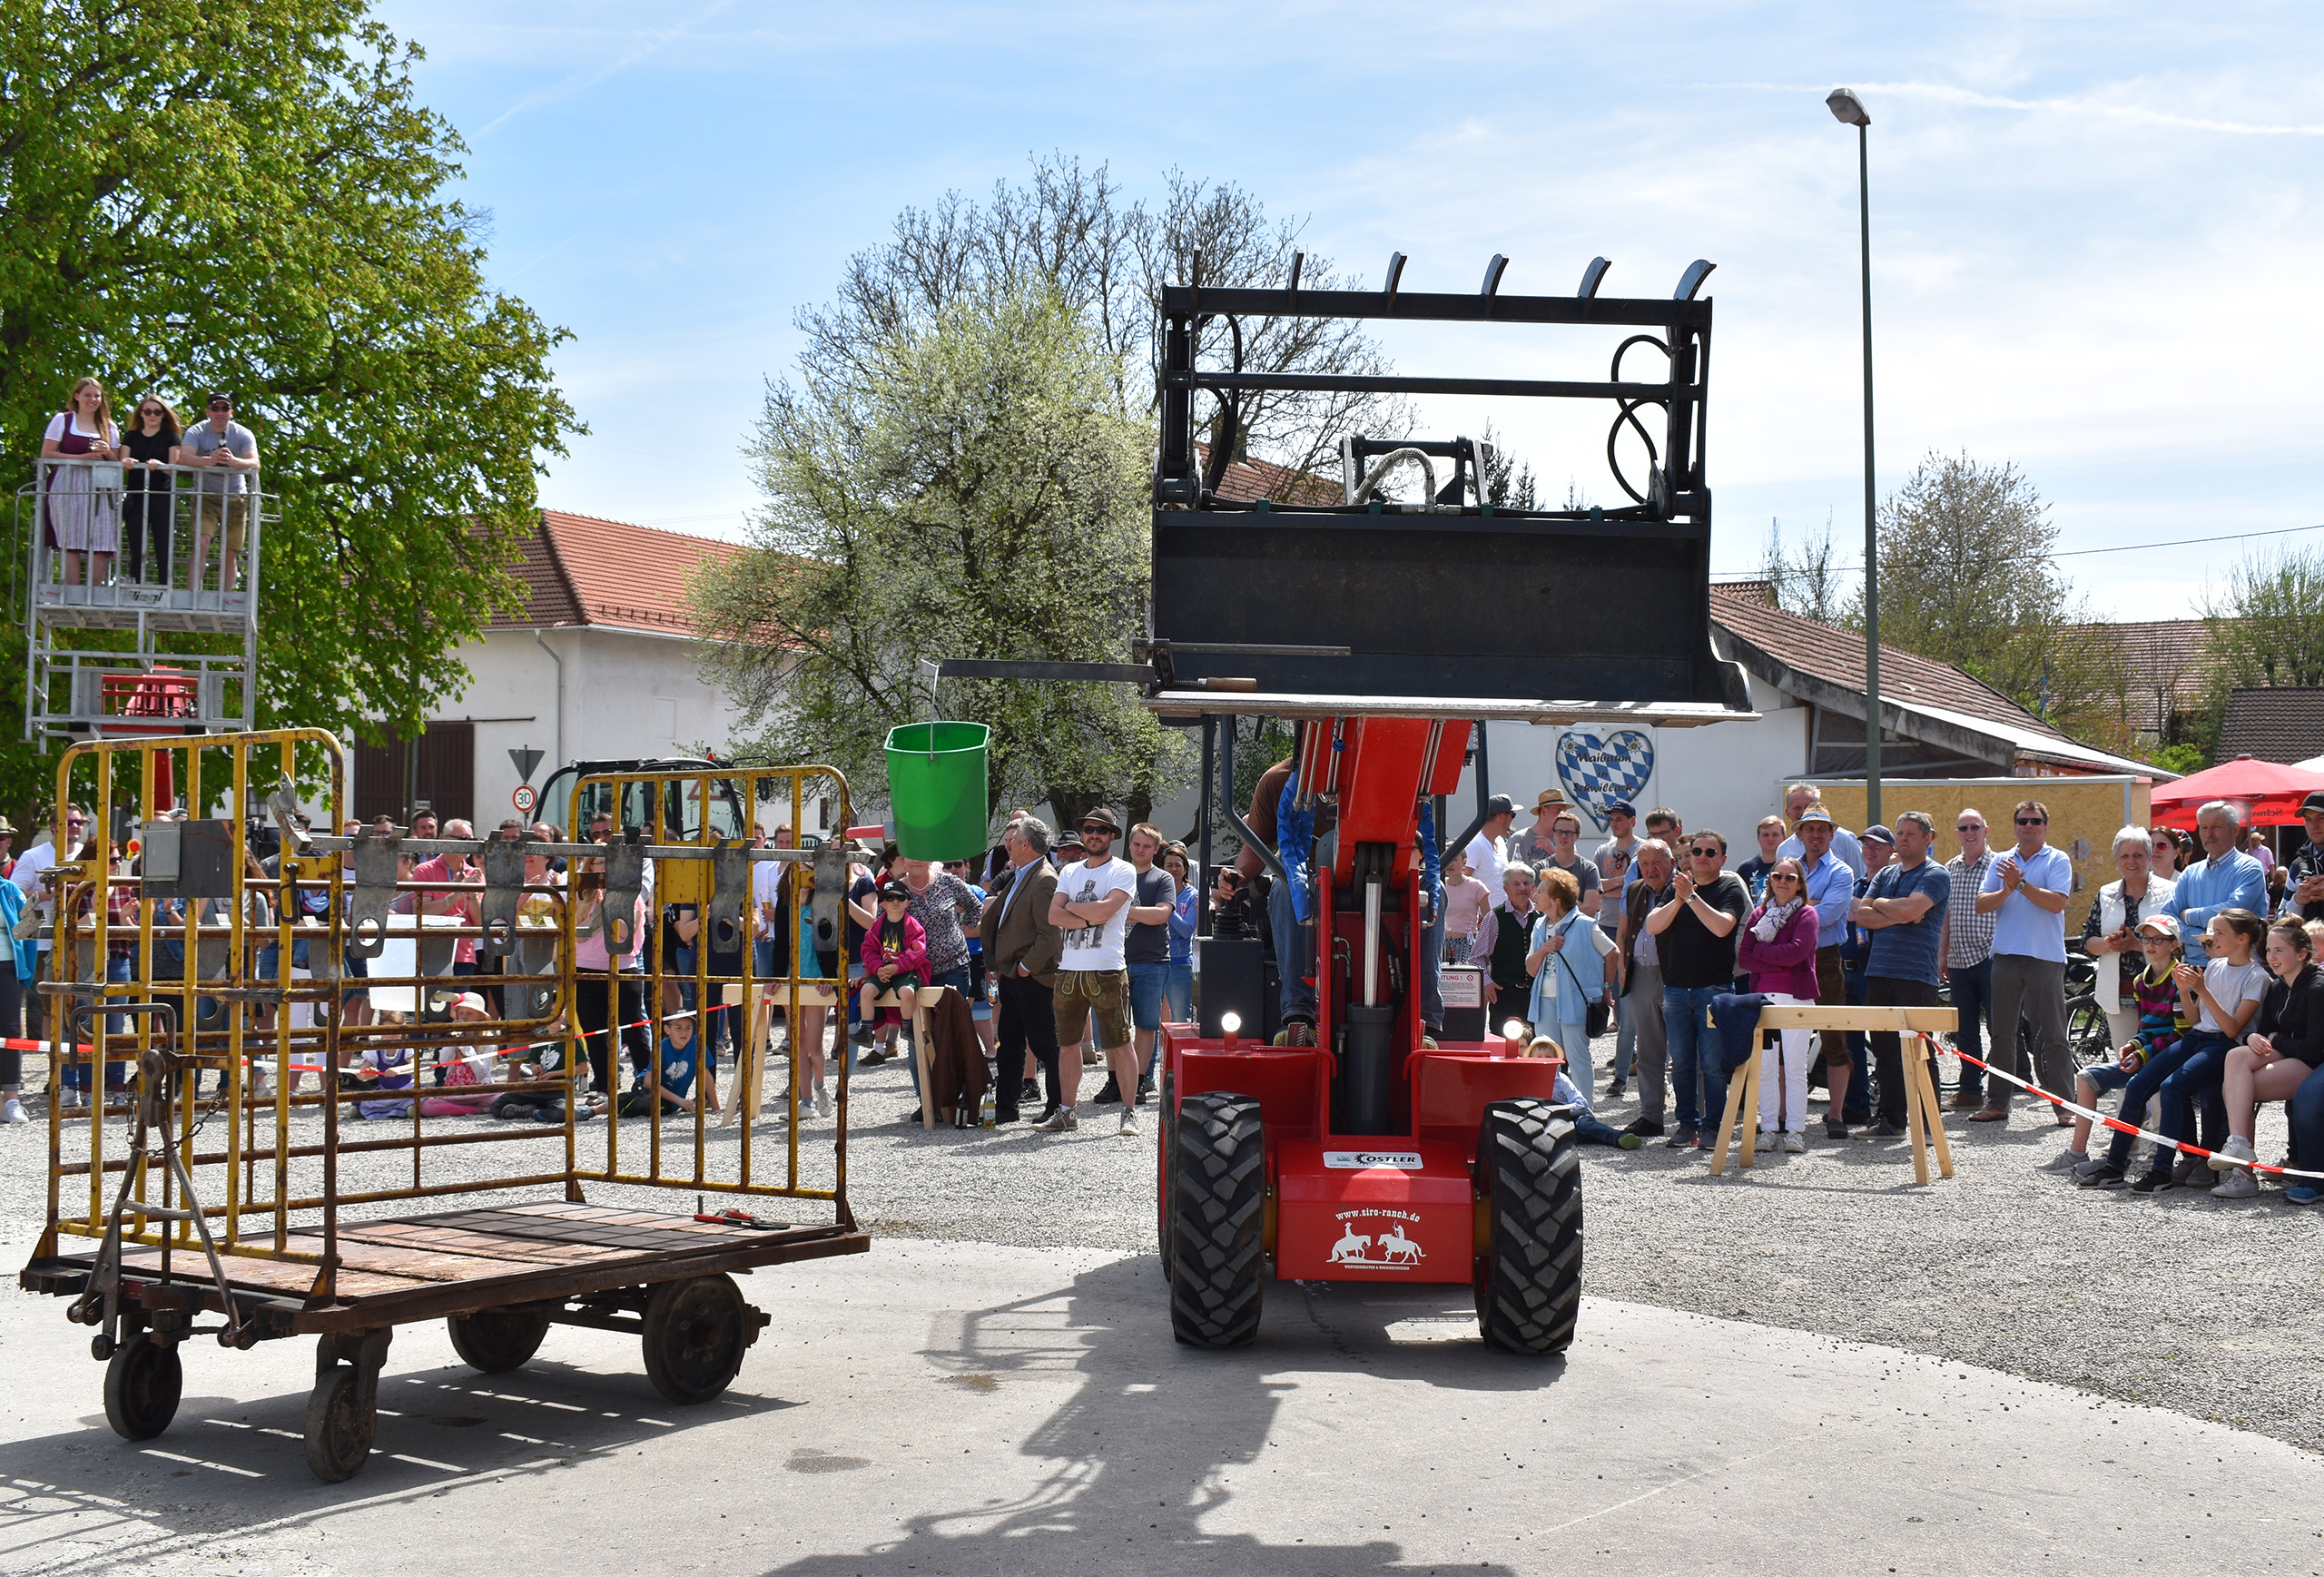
(228, 1468)
(1155, 1435)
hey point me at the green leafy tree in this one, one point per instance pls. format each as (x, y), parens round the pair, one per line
(1966, 578)
(247, 196)
(969, 488)
(2266, 629)
(1068, 228)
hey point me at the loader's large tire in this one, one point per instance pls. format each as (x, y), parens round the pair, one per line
(1529, 1177)
(1217, 1220)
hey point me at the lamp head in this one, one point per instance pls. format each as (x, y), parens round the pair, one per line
(1231, 1023)
(1847, 108)
(1514, 1030)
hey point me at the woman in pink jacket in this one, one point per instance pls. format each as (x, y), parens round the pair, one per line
(1777, 951)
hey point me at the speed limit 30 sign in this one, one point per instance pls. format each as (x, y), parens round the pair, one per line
(523, 799)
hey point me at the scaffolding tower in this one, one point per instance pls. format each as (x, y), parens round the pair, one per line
(121, 557)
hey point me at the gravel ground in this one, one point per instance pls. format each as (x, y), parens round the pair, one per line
(2177, 1300)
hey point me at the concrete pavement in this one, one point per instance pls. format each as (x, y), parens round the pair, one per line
(947, 1407)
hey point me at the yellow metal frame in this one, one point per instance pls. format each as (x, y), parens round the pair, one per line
(683, 885)
(245, 1183)
(254, 1171)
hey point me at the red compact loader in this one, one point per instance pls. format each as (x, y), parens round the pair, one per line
(1389, 632)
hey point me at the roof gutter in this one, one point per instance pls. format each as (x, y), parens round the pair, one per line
(559, 758)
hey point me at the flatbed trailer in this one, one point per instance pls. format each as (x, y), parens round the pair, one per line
(183, 1235)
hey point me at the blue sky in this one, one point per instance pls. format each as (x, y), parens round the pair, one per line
(2092, 225)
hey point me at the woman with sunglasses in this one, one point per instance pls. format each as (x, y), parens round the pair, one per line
(146, 500)
(1777, 951)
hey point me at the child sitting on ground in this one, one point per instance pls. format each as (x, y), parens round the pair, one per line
(894, 947)
(467, 1072)
(382, 1066)
(1586, 1126)
(672, 1075)
(2161, 1020)
(543, 1105)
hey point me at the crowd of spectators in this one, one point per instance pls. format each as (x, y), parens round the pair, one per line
(1073, 956)
(2208, 1008)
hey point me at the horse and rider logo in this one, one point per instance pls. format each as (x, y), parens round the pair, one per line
(1388, 1250)
(1597, 771)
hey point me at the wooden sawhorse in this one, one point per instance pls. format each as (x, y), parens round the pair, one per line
(1914, 1025)
(749, 1096)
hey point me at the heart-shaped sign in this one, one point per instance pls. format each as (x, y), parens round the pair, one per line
(1597, 771)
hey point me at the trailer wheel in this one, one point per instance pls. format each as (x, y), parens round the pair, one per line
(1217, 1220)
(339, 1426)
(1529, 1178)
(142, 1383)
(497, 1340)
(695, 1332)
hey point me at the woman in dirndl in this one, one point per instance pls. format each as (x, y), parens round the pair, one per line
(82, 510)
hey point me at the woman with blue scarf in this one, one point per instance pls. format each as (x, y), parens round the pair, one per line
(1567, 959)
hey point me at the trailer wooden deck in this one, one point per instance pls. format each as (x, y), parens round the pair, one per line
(416, 1267)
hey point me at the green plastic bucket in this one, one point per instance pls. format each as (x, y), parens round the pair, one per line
(936, 784)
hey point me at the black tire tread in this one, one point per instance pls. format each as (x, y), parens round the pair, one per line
(1217, 1220)
(495, 1341)
(338, 1433)
(1529, 1288)
(143, 1382)
(678, 1315)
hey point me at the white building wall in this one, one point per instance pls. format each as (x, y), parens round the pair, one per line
(1721, 775)
(624, 695)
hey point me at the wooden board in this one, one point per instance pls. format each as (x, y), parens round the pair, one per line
(382, 1260)
(1808, 1016)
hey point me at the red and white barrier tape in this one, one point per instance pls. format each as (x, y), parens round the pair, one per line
(2115, 1123)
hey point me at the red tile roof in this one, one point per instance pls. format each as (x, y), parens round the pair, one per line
(2284, 723)
(2164, 669)
(579, 569)
(1950, 695)
(1248, 481)
(1837, 656)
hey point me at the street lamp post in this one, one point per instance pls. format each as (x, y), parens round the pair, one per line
(1849, 110)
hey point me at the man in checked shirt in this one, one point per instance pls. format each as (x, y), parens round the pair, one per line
(1965, 957)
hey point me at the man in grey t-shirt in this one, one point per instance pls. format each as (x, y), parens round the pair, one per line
(1616, 860)
(229, 452)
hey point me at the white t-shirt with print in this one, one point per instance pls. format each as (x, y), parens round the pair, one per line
(1097, 947)
(2231, 986)
(766, 881)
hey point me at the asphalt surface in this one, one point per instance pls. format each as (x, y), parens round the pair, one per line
(950, 1407)
(1748, 1293)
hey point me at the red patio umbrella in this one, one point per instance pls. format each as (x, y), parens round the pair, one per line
(2269, 793)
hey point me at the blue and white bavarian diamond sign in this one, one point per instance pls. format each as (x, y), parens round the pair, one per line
(1597, 771)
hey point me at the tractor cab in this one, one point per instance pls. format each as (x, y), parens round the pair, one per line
(1361, 1146)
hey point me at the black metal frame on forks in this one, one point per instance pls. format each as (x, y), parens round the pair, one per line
(1371, 598)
